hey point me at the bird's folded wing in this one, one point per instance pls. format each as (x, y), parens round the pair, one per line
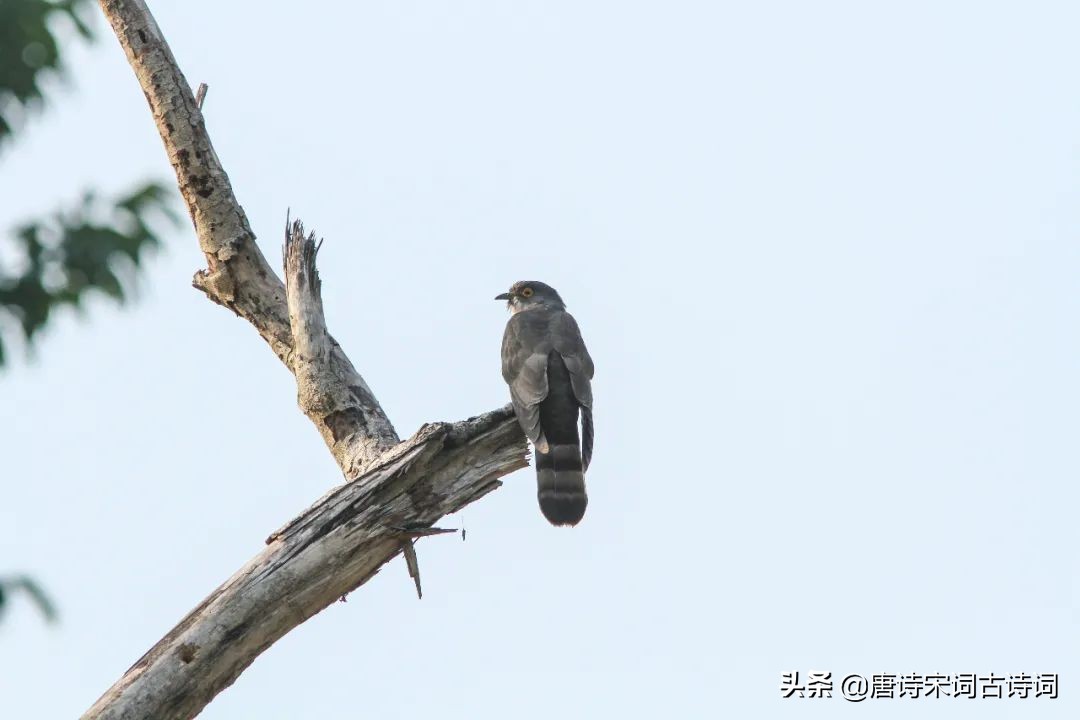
(586, 437)
(524, 367)
(566, 338)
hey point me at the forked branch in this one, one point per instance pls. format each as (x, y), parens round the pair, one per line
(395, 491)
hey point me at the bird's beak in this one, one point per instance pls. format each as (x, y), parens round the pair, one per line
(504, 296)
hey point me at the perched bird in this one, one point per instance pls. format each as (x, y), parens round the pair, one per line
(549, 371)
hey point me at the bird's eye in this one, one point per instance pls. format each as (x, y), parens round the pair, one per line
(526, 292)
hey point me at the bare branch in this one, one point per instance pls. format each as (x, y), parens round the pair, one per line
(400, 490)
(329, 390)
(328, 551)
(238, 275)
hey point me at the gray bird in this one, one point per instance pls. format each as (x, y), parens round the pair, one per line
(549, 371)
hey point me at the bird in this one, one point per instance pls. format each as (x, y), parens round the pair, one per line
(549, 371)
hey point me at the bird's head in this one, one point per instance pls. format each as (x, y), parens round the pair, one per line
(529, 294)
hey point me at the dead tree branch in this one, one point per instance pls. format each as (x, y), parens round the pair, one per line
(396, 491)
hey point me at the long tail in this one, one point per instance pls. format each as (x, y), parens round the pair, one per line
(561, 485)
(560, 475)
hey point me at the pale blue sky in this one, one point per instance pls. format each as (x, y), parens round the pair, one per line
(824, 255)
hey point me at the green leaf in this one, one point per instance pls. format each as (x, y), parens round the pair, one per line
(74, 253)
(29, 52)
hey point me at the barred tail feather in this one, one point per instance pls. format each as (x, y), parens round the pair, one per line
(560, 474)
(561, 485)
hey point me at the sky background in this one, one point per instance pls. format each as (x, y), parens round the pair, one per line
(824, 256)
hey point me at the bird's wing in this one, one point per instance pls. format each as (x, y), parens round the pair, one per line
(525, 351)
(586, 437)
(566, 338)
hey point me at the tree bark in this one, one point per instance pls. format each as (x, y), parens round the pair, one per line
(395, 491)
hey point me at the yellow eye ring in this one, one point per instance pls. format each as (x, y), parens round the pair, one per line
(527, 292)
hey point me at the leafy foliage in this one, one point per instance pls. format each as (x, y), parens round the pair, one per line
(92, 246)
(72, 253)
(33, 592)
(28, 50)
